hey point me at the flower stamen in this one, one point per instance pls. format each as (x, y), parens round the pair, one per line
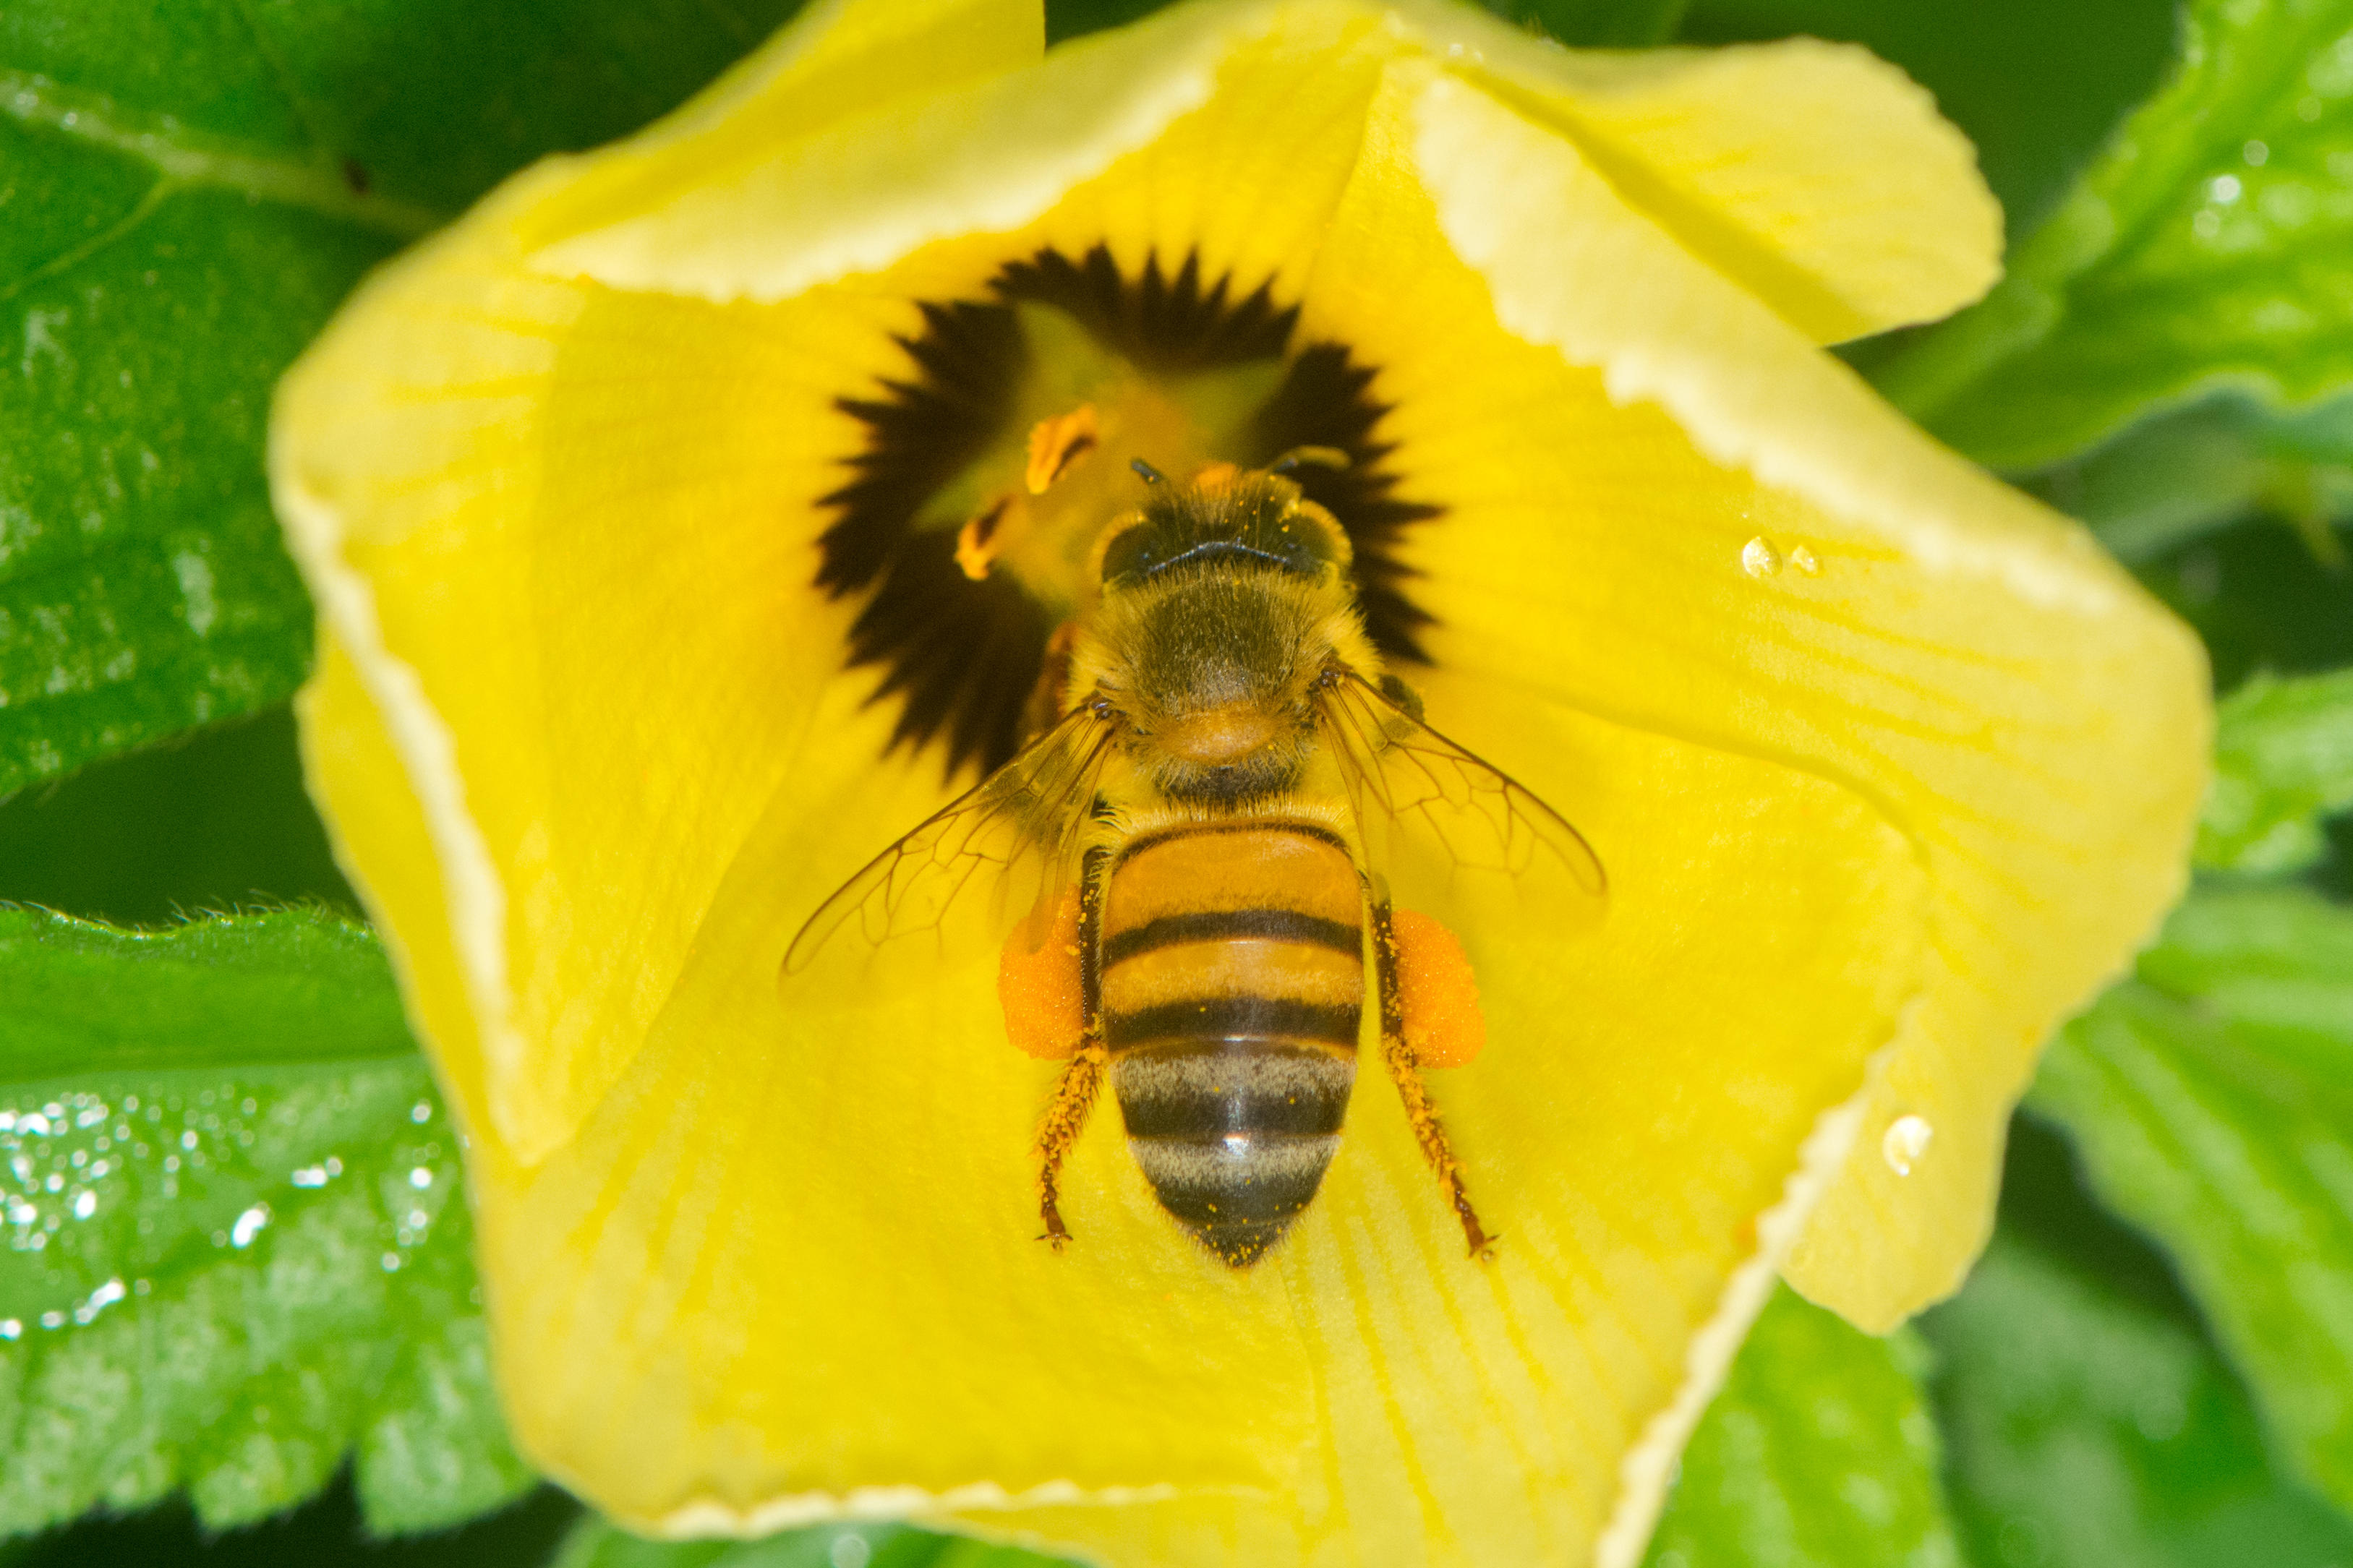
(969, 518)
(975, 540)
(1056, 443)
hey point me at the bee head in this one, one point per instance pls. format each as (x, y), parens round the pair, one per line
(1223, 600)
(1224, 519)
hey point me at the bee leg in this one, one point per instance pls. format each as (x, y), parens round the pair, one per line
(1073, 1097)
(1431, 1135)
(1404, 1070)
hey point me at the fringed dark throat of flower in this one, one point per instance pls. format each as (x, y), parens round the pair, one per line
(993, 463)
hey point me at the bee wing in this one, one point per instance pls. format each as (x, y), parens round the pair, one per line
(1442, 830)
(1004, 850)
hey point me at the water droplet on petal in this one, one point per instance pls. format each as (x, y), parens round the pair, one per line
(1803, 560)
(1906, 1141)
(1759, 558)
(849, 1552)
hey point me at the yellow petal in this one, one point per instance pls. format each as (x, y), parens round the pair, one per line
(471, 413)
(471, 406)
(1629, 533)
(1814, 175)
(771, 216)
(840, 60)
(790, 1263)
(384, 843)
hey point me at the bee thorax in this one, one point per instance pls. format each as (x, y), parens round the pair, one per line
(1222, 735)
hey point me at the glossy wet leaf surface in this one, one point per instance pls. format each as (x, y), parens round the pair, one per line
(1819, 1452)
(2211, 247)
(2088, 1427)
(185, 194)
(2212, 1101)
(596, 1544)
(233, 1249)
(2284, 763)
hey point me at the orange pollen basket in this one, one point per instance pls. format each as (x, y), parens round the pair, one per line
(1443, 1024)
(1038, 987)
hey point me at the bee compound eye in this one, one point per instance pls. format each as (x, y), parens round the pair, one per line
(1123, 553)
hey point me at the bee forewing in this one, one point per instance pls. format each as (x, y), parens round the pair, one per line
(950, 891)
(1445, 831)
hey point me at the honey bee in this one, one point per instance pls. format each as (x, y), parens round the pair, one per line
(1210, 836)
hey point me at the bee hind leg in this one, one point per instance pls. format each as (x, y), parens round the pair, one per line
(1431, 1135)
(1451, 1035)
(1074, 1096)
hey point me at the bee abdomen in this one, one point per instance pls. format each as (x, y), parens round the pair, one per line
(1232, 992)
(1237, 1019)
(1229, 1088)
(1234, 1135)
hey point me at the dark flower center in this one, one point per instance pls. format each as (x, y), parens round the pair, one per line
(917, 526)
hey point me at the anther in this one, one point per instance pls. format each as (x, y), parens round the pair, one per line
(1055, 444)
(975, 549)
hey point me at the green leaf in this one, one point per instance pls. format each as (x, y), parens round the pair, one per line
(236, 1250)
(185, 194)
(2259, 603)
(2282, 761)
(1819, 1453)
(596, 1544)
(2089, 1428)
(1819, 1450)
(2182, 474)
(2212, 246)
(210, 821)
(2211, 1101)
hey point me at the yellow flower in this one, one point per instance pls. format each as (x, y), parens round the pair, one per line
(683, 518)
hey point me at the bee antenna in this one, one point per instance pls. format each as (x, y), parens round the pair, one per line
(1309, 457)
(1146, 472)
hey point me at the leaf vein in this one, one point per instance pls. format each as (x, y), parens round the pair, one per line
(184, 158)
